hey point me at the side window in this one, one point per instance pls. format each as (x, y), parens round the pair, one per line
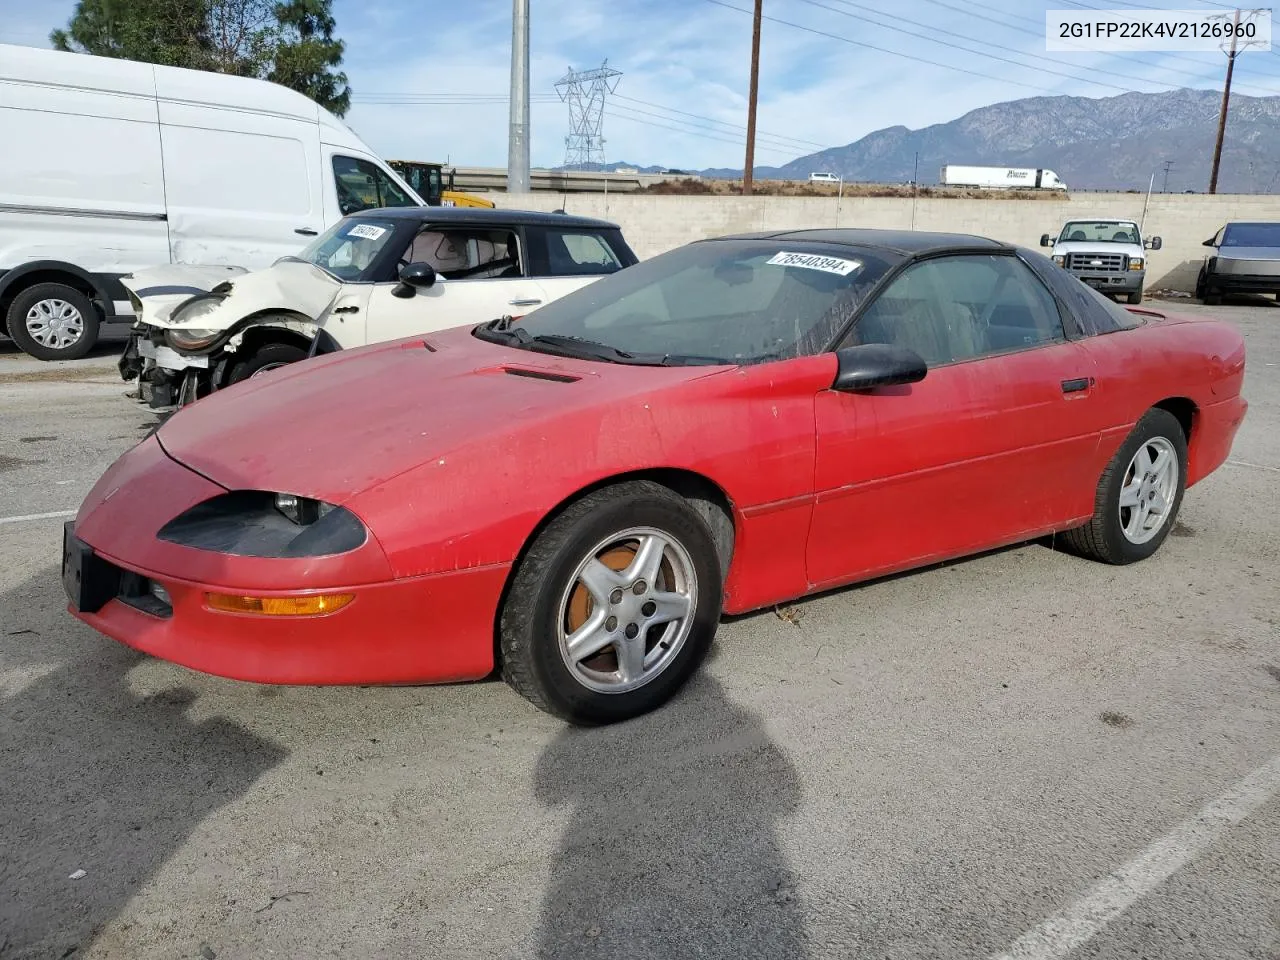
(574, 253)
(467, 254)
(960, 308)
(363, 185)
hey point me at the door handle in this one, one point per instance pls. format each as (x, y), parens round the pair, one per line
(305, 232)
(1077, 385)
(528, 302)
(350, 308)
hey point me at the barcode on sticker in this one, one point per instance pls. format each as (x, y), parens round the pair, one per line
(366, 231)
(811, 261)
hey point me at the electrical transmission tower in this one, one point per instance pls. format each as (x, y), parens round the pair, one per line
(585, 92)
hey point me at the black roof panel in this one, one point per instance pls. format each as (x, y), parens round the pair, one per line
(908, 242)
(485, 215)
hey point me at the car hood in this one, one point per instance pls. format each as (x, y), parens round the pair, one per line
(1248, 253)
(288, 286)
(1098, 246)
(336, 425)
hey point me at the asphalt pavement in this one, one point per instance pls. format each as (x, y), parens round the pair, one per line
(1020, 755)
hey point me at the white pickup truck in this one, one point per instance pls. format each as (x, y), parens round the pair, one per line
(1108, 255)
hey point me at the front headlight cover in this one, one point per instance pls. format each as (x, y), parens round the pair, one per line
(247, 523)
(192, 311)
(1060, 259)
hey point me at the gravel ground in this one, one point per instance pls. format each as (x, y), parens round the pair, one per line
(932, 765)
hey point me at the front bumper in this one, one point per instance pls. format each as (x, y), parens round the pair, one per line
(424, 629)
(431, 629)
(1130, 281)
(1244, 282)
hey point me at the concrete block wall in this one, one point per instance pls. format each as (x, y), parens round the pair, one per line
(655, 224)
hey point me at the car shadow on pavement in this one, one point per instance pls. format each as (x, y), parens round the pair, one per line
(95, 778)
(672, 847)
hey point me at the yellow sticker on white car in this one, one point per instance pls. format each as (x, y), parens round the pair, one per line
(812, 261)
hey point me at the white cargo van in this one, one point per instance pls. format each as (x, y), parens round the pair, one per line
(109, 166)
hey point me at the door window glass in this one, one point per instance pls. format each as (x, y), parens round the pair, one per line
(959, 308)
(467, 254)
(363, 185)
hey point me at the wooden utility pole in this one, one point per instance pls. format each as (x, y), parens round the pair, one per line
(1222, 116)
(751, 104)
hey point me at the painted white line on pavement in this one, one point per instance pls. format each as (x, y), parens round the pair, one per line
(39, 516)
(13, 682)
(1256, 466)
(1116, 893)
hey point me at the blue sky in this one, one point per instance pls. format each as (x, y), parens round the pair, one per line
(430, 78)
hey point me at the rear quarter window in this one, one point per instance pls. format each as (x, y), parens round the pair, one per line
(1094, 313)
(576, 252)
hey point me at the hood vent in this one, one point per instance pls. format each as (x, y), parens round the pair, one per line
(540, 375)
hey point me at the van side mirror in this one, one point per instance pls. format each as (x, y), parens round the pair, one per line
(414, 276)
(876, 365)
(1046, 240)
(1208, 243)
(1154, 243)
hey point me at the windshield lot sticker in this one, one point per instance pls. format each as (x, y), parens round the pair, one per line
(366, 231)
(811, 261)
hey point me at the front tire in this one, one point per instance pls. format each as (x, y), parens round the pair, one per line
(265, 358)
(613, 606)
(1135, 298)
(52, 321)
(1138, 497)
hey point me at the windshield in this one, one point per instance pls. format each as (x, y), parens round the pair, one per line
(1099, 231)
(1252, 235)
(722, 301)
(349, 247)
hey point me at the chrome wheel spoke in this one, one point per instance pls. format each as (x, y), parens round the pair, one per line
(648, 560)
(670, 606)
(599, 581)
(1130, 494)
(630, 658)
(590, 638)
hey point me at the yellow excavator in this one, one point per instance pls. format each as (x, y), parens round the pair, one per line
(433, 182)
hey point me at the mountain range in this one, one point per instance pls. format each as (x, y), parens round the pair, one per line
(1111, 143)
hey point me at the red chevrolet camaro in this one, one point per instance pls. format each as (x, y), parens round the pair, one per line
(575, 497)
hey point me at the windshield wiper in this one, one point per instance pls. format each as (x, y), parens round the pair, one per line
(290, 258)
(567, 346)
(497, 331)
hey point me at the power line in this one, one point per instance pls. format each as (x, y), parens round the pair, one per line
(734, 126)
(986, 43)
(892, 53)
(776, 141)
(611, 112)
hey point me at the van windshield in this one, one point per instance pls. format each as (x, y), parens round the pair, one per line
(1099, 231)
(348, 249)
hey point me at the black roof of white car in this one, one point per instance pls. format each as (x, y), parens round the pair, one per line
(485, 215)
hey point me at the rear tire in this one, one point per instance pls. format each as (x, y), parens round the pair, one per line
(629, 576)
(52, 321)
(1118, 533)
(265, 358)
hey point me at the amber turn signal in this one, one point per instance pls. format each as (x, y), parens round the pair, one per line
(309, 606)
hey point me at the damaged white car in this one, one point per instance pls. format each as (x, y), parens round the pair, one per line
(375, 275)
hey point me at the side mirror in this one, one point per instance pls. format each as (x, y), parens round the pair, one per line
(1046, 240)
(1208, 243)
(1155, 243)
(876, 365)
(414, 276)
